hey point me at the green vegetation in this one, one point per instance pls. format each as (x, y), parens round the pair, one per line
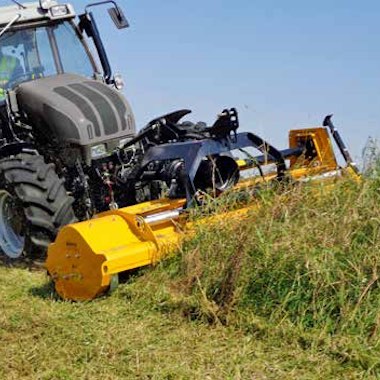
(291, 292)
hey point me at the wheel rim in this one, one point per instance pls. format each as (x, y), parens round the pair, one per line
(12, 240)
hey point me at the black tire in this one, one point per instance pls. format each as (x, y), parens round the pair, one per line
(39, 203)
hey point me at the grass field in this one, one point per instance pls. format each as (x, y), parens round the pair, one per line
(290, 293)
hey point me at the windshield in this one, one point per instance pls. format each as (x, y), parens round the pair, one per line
(39, 52)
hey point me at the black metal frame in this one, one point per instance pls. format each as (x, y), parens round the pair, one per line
(88, 24)
(193, 152)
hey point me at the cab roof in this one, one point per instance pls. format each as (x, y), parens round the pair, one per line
(32, 12)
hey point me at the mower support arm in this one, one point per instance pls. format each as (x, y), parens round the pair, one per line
(341, 145)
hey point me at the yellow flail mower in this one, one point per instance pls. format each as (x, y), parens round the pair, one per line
(193, 159)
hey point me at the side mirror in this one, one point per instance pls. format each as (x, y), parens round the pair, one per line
(115, 12)
(118, 17)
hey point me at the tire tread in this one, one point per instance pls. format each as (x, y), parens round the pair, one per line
(47, 206)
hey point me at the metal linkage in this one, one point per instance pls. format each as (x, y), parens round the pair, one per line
(193, 152)
(327, 122)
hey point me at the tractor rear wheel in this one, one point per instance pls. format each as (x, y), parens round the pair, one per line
(34, 205)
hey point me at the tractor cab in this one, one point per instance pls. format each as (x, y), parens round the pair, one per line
(39, 40)
(52, 83)
(41, 51)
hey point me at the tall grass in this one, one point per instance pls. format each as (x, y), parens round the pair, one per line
(305, 267)
(289, 292)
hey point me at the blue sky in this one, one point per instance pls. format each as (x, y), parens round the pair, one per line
(283, 64)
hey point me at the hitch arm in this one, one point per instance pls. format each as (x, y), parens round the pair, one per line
(327, 122)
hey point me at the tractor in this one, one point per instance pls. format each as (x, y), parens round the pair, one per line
(63, 123)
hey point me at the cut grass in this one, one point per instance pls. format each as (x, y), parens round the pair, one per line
(127, 336)
(291, 293)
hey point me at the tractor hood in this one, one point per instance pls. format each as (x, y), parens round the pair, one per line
(76, 110)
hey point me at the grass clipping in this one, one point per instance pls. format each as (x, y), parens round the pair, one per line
(303, 267)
